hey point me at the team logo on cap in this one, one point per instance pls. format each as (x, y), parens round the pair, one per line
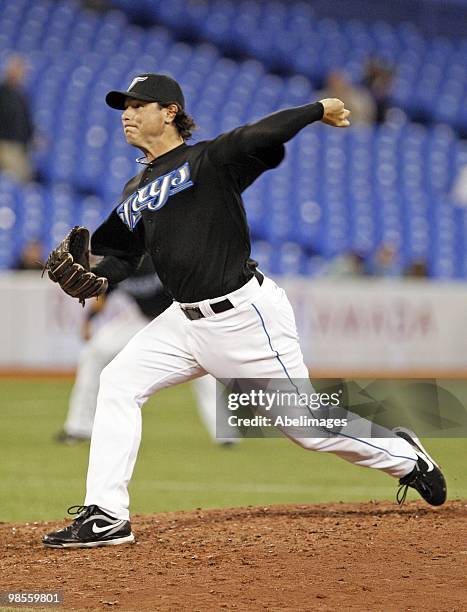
(136, 80)
(154, 195)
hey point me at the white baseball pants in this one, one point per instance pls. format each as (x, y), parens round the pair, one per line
(255, 339)
(215, 421)
(108, 341)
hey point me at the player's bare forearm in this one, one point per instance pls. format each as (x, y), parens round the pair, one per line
(96, 306)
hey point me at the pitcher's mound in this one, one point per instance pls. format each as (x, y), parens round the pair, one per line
(373, 556)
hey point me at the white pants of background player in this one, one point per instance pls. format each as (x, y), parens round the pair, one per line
(256, 339)
(107, 342)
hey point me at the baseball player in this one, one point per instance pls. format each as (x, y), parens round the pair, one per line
(144, 299)
(185, 209)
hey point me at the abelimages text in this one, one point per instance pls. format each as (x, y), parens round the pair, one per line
(284, 421)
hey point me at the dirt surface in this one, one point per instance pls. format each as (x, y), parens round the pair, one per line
(373, 556)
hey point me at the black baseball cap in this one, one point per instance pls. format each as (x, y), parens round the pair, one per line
(149, 88)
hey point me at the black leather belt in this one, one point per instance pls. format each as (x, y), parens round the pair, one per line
(193, 312)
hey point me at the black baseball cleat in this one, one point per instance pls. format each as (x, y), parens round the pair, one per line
(426, 477)
(92, 527)
(62, 437)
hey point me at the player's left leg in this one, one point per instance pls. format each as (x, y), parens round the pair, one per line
(269, 349)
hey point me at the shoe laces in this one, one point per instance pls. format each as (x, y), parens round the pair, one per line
(416, 481)
(402, 494)
(82, 512)
(407, 481)
(79, 509)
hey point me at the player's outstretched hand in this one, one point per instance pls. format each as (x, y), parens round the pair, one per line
(335, 113)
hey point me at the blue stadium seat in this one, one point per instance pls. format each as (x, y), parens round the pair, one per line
(336, 190)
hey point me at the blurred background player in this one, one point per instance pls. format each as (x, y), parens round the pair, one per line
(31, 257)
(378, 80)
(133, 304)
(16, 125)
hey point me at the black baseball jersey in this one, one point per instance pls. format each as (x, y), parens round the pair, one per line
(185, 209)
(145, 288)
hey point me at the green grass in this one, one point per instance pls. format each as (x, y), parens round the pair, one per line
(178, 466)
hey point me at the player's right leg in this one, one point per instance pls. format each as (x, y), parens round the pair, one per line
(158, 356)
(108, 341)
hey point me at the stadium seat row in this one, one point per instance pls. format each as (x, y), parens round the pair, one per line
(335, 191)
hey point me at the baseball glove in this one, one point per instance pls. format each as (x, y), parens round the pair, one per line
(68, 265)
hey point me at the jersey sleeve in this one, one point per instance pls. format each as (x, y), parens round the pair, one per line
(246, 171)
(116, 269)
(121, 248)
(266, 134)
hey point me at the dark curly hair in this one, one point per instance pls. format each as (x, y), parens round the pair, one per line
(184, 123)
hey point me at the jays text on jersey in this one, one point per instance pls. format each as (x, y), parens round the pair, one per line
(185, 209)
